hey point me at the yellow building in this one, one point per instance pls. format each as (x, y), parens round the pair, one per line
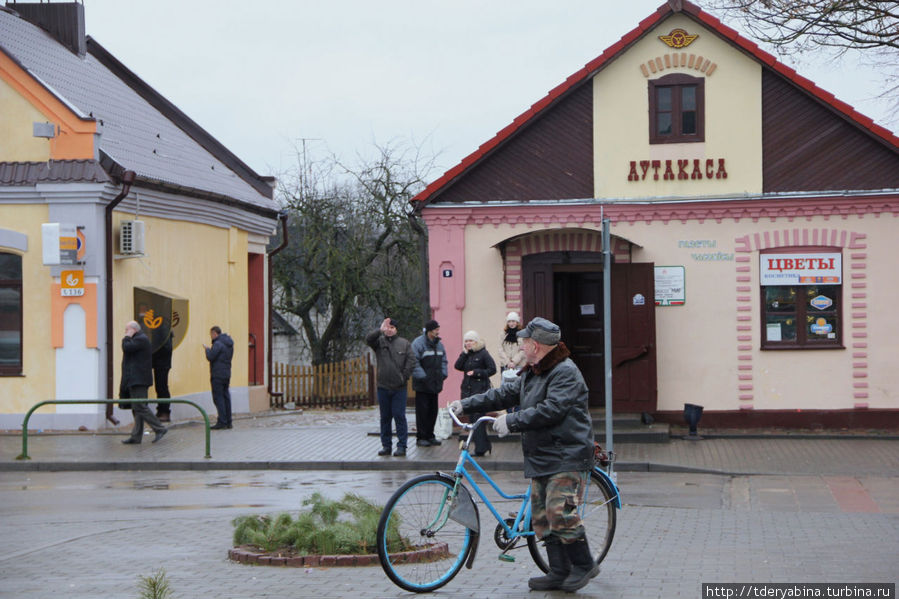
(752, 219)
(115, 206)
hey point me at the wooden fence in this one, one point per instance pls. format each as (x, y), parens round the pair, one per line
(347, 384)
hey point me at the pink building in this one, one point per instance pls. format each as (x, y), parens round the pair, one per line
(753, 221)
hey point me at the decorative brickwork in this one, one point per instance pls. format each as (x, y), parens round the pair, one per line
(854, 318)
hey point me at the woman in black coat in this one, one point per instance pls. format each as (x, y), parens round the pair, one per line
(478, 366)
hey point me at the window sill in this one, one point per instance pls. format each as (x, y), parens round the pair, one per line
(799, 347)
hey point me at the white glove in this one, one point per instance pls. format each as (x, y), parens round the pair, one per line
(456, 408)
(500, 427)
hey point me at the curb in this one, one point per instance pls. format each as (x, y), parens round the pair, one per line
(249, 556)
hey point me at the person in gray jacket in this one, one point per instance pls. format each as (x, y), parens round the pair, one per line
(557, 441)
(219, 355)
(395, 363)
(427, 381)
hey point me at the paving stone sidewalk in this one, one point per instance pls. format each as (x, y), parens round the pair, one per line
(330, 440)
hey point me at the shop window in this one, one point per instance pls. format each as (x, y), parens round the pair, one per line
(676, 109)
(807, 312)
(10, 314)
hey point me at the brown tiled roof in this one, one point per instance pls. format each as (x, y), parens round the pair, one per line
(67, 171)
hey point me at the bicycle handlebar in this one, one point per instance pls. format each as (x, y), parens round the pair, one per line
(465, 425)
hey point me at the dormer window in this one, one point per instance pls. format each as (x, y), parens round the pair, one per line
(676, 109)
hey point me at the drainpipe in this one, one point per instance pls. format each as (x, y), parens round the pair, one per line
(282, 216)
(127, 180)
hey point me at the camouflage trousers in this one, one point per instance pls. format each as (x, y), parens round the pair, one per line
(555, 500)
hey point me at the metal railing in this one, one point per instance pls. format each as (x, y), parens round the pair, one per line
(24, 454)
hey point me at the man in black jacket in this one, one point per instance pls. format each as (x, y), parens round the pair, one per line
(219, 355)
(557, 442)
(137, 376)
(427, 381)
(395, 363)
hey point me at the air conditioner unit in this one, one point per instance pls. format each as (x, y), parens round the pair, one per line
(131, 237)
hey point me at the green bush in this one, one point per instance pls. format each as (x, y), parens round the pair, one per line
(326, 527)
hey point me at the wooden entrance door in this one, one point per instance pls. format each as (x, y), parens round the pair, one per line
(569, 287)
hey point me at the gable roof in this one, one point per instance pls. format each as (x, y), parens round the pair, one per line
(585, 74)
(139, 129)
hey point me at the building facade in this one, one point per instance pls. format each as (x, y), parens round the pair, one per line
(752, 216)
(115, 206)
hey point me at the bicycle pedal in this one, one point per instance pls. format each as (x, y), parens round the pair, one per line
(505, 557)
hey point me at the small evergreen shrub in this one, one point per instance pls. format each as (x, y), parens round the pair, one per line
(326, 527)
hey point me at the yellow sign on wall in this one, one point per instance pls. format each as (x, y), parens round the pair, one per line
(71, 283)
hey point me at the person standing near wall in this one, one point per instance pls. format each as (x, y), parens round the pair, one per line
(137, 376)
(511, 356)
(395, 363)
(162, 363)
(427, 381)
(477, 364)
(219, 355)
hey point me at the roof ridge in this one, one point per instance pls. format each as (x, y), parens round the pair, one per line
(180, 119)
(591, 68)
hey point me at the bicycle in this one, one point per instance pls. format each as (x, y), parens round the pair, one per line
(430, 527)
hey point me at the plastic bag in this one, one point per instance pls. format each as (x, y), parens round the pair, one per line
(443, 428)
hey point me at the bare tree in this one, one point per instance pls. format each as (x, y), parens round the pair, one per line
(796, 27)
(354, 252)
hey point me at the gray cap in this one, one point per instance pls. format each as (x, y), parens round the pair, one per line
(541, 331)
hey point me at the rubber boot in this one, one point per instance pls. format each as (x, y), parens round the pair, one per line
(583, 566)
(559, 567)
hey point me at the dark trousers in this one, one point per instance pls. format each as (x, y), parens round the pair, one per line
(480, 439)
(221, 397)
(392, 405)
(161, 382)
(425, 414)
(142, 413)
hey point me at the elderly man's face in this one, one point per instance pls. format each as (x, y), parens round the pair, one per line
(529, 346)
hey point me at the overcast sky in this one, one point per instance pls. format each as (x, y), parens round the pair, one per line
(345, 74)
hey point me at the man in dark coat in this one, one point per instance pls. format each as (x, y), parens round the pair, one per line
(162, 363)
(137, 376)
(219, 355)
(557, 442)
(395, 363)
(427, 381)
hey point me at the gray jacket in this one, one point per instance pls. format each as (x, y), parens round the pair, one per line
(554, 419)
(395, 359)
(430, 364)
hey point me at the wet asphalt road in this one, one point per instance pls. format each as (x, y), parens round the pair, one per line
(92, 534)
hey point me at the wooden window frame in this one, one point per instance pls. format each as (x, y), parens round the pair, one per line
(802, 341)
(677, 81)
(15, 369)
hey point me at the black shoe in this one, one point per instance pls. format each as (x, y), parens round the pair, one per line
(385, 451)
(481, 454)
(434, 442)
(164, 417)
(399, 453)
(160, 435)
(559, 567)
(130, 441)
(423, 443)
(583, 567)
(218, 426)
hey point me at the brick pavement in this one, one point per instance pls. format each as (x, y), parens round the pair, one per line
(345, 441)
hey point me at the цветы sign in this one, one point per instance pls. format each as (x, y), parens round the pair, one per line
(813, 268)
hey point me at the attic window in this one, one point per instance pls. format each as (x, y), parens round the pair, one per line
(676, 109)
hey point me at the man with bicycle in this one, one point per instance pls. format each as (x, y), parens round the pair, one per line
(557, 441)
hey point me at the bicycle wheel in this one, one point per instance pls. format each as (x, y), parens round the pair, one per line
(419, 546)
(598, 515)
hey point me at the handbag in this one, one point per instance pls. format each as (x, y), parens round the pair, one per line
(123, 394)
(443, 428)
